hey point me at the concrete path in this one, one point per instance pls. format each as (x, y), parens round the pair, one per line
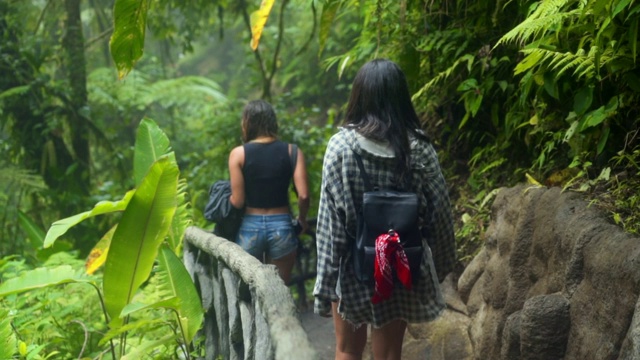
(320, 332)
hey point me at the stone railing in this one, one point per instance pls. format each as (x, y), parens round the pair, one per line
(249, 312)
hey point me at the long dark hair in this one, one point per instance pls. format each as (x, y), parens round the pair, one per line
(259, 119)
(380, 108)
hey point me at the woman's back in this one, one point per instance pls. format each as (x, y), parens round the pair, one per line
(342, 194)
(267, 174)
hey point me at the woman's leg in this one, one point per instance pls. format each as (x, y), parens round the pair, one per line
(350, 342)
(285, 266)
(387, 340)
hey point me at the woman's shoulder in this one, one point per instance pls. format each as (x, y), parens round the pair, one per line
(238, 149)
(237, 153)
(341, 140)
(421, 143)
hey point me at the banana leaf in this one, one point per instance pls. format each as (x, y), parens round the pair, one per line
(98, 254)
(60, 227)
(176, 282)
(41, 278)
(151, 144)
(127, 40)
(327, 16)
(258, 19)
(134, 246)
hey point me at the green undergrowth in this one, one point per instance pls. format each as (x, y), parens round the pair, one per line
(614, 189)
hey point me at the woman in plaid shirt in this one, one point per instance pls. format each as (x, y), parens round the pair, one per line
(381, 125)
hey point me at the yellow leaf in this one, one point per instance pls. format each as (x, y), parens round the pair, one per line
(561, 177)
(532, 180)
(98, 254)
(258, 19)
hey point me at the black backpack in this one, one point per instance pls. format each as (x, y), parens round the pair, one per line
(383, 211)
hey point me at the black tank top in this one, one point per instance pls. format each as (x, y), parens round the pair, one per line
(267, 173)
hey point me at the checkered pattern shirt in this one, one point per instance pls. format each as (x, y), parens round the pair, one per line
(341, 195)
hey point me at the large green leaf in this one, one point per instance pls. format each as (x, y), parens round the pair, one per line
(582, 100)
(40, 278)
(177, 282)
(633, 38)
(127, 40)
(16, 91)
(144, 225)
(151, 144)
(329, 11)
(98, 254)
(60, 227)
(33, 231)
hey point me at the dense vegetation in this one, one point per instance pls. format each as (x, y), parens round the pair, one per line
(510, 91)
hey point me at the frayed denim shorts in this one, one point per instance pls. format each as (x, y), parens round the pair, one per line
(272, 235)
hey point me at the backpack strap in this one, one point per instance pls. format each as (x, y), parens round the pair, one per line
(363, 173)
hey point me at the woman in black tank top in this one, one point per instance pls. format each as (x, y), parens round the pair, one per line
(260, 173)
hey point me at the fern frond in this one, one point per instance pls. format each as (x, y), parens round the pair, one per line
(573, 60)
(583, 64)
(141, 325)
(585, 67)
(182, 91)
(145, 347)
(443, 75)
(548, 7)
(12, 177)
(7, 336)
(553, 59)
(534, 28)
(181, 219)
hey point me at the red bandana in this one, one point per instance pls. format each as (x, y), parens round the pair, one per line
(389, 256)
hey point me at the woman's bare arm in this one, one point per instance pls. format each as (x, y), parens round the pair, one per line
(236, 161)
(301, 183)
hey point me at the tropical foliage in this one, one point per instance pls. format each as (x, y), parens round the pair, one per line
(542, 91)
(154, 218)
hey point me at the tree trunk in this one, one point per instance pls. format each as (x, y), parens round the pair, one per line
(73, 43)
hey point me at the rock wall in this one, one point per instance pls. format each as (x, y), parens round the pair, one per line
(554, 280)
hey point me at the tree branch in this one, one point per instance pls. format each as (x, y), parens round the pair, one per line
(274, 65)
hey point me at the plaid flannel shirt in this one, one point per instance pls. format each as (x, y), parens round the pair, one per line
(341, 194)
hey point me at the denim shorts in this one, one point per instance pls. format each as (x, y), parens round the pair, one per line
(267, 234)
